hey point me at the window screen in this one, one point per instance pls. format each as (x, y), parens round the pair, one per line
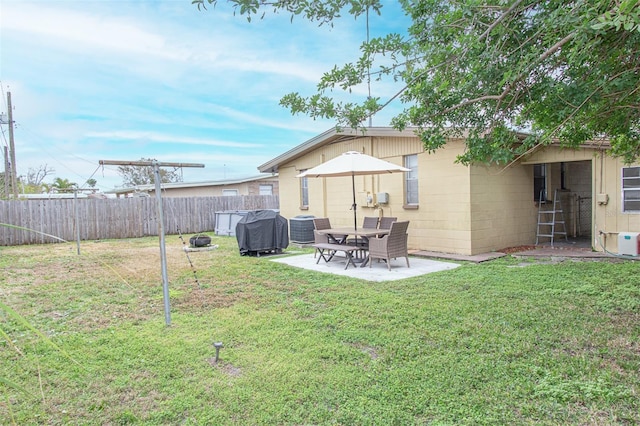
(266, 189)
(304, 192)
(411, 179)
(631, 189)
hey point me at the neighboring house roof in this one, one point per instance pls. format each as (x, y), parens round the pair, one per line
(47, 196)
(331, 136)
(222, 182)
(62, 196)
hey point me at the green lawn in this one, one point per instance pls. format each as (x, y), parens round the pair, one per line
(491, 343)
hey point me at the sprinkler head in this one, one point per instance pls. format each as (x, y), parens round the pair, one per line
(218, 346)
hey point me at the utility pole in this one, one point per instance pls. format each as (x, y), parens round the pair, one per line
(12, 149)
(163, 252)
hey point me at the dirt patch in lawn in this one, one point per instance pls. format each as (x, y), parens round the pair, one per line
(516, 249)
(112, 281)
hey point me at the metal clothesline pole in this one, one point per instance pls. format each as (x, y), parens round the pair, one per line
(163, 252)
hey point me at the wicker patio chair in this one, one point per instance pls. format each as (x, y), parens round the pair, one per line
(370, 222)
(363, 242)
(386, 221)
(321, 223)
(390, 246)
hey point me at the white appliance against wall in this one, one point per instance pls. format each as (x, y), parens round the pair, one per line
(629, 243)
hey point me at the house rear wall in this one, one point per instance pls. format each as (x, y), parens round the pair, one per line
(465, 210)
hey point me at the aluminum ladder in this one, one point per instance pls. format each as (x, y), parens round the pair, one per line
(550, 221)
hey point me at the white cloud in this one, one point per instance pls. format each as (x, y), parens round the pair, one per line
(83, 31)
(130, 42)
(96, 80)
(151, 137)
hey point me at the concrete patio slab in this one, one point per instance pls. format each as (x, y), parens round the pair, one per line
(377, 272)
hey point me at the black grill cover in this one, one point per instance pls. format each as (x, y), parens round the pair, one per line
(262, 231)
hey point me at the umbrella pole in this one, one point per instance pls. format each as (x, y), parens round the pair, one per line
(354, 205)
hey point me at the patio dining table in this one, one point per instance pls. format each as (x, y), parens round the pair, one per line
(344, 232)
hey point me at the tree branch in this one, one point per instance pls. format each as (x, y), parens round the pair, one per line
(500, 19)
(510, 86)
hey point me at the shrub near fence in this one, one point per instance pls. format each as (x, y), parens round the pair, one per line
(116, 218)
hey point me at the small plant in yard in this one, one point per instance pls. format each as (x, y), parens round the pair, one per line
(483, 343)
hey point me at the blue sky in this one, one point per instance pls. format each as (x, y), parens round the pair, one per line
(98, 80)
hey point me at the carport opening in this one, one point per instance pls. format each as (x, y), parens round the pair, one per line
(573, 181)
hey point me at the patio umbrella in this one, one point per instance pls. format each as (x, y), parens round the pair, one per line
(353, 163)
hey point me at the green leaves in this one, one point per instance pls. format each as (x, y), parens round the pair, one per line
(323, 12)
(64, 185)
(564, 71)
(142, 175)
(625, 16)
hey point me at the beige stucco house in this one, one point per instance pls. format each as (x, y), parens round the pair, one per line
(266, 184)
(453, 208)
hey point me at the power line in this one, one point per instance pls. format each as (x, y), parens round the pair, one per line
(34, 141)
(3, 95)
(4, 104)
(89, 178)
(4, 138)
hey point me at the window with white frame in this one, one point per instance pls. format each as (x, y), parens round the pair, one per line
(266, 189)
(411, 180)
(304, 192)
(631, 189)
(229, 192)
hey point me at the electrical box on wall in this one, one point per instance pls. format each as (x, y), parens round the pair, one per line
(602, 199)
(629, 243)
(368, 199)
(382, 197)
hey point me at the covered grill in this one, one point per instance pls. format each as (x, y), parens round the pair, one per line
(262, 231)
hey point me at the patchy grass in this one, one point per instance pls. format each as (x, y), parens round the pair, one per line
(480, 344)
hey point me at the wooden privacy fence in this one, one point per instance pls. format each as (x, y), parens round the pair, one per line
(116, 218)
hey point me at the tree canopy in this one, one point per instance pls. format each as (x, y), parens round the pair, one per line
(507, 74)
(63, 185)
(142, 175)
(33, 182)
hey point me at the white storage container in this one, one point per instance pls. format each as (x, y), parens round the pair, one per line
(226, 222)
(629, 243)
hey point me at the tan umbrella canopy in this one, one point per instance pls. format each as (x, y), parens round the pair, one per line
(353, 163)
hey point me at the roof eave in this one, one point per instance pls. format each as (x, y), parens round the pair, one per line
(330, 136)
